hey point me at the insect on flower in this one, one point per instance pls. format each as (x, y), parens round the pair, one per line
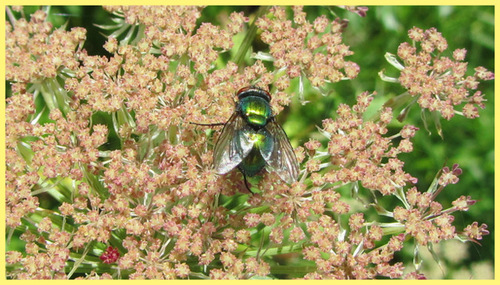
(252, 139)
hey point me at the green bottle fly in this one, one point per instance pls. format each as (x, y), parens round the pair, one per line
(252, 140)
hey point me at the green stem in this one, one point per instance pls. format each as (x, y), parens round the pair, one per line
(79, 261)
(291, 269)
(249, 38)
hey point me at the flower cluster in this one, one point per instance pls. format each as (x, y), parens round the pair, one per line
(359, 151)
(424, 218)
(352, 257)
(106, 177)
(438, 82)
(303, 48)
(110, 255)
(35, 52)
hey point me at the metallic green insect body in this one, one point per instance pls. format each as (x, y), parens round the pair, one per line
(252, 140)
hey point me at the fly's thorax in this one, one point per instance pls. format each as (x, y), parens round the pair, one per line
(255, 110)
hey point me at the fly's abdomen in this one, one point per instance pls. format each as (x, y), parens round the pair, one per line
(254, 162)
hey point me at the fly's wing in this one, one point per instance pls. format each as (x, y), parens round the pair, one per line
(282, 158)
(232, 145)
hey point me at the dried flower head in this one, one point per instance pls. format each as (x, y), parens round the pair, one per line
(109, 175)
(313, 50)
(438, 82)
(358, 149)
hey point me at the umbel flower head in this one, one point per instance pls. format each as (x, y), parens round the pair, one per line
(107, 178)
(299, 46)
(439, 83)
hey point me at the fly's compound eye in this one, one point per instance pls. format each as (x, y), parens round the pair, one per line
(253, 91)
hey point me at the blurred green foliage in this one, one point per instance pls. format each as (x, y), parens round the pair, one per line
(466, 142)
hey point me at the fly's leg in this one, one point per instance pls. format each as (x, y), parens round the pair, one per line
(208, 125)
(246, 182)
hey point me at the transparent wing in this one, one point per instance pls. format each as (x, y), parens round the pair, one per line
(282, 158)
(232, 146)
